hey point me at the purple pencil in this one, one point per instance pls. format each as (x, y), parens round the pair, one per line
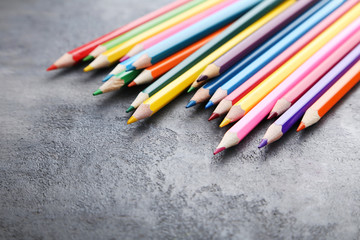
(293, 114)
(254, 40)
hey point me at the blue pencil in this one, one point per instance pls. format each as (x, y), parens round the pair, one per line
(271, 53)
(209, 88)
(187, 36)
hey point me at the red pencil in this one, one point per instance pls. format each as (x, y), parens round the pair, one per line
(75, 55)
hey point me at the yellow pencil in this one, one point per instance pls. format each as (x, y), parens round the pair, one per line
(173, 89)
(245, 104)
(112, 55)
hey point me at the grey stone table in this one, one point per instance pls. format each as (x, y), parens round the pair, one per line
(71, 168)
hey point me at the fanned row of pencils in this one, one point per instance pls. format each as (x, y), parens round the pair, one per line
(252, 58)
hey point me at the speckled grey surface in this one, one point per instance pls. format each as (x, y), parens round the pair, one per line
(71, 168)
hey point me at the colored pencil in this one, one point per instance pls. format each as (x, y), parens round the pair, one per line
(271, 54)
(223, 63)
(285, 102)
(151, 73)
(173, 89)
(112, 55)
(314, 113)
(75, 55)
(142, 28)
(290, 117)
(225, 104)
(295, 69)
(187, 36)
(117, 81)
(171, 31)
(242, 23)
(236, 133)
(209, 88)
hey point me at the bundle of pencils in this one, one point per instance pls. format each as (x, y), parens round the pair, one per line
(251, 58)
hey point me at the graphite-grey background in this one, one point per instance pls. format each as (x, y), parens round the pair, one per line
(70, 167)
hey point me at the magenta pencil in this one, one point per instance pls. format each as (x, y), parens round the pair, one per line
(225, 104)
(164, 35)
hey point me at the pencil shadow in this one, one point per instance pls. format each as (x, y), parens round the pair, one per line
(59, 73)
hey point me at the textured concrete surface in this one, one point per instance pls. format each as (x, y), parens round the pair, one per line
(70, 167)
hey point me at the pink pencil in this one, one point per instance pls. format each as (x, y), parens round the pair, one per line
(349, 36)
(225, 104)
(306, 83)
(160, 37)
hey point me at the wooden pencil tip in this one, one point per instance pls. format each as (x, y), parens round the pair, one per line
(225, 122)
(263, 143)
(97, 92)
(88, 68)
(213, 116)
(88, 58)
(272, 115)
(131, 120)
(191, 89)
(191, 104)
(219, 150)
(132, 84)
(52, 67)
(202, 78)
(301, 127)
(130, 109)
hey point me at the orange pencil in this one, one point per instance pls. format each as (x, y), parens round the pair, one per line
(331, 97)
(155, 71)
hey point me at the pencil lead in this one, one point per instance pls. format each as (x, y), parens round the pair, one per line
(225, 122)
(130, 109)
(202, 78)
(263, 143)
(191, 89)
(52, 67)
(132, 84)
(97, 92)
(209, 104)
(191, 104)
(107, 77)
(131, 120)
(88, 58)
(301, 127)
(88, 68)
(272, 115)
(126, 57)
(213, 116)
(219, 150)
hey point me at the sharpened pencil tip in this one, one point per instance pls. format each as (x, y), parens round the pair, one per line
(219, 150)
(131, 120)
(191, 89)
(126, 57)
(301, 127)
(132, 84)
(209, 105)
(130, 109)
(52, 67)
(191, 104)
(213, 116)
(107, 77)
(97, 92)
(263, 143)
(88, 68)
(272, 115)
(88, 58)
(225, 122)
(202, 78)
